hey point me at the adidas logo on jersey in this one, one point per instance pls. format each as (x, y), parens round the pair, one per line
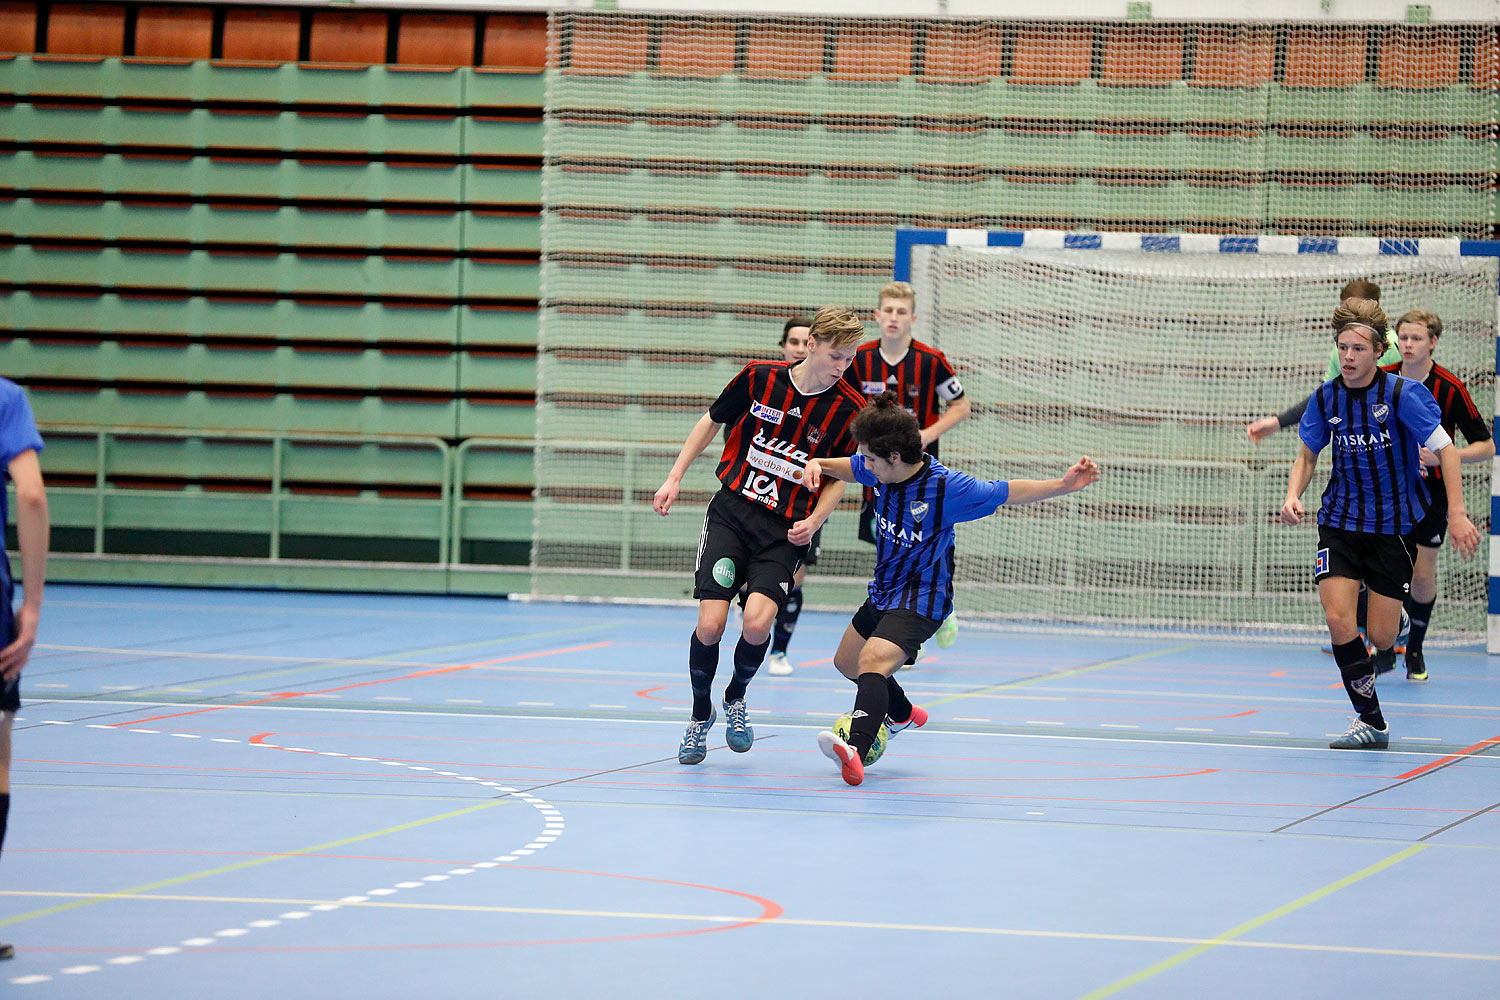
(795, 411)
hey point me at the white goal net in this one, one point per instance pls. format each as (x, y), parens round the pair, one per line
(1153, 364)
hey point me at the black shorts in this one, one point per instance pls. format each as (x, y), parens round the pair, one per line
(814, 549)
(901, 626)
(10, 691)
(1383, 562)
(742, 542)
(1433, 528)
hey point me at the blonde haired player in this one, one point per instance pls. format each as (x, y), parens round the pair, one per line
(1417, 335)
(760, 522)
(1376, 424)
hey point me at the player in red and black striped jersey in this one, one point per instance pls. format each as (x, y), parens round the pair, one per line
(1417, 333)
(922, 380)
(759, 524)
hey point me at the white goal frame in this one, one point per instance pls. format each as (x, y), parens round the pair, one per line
(1208, 243)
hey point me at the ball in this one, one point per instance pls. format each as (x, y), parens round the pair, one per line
(845, 722)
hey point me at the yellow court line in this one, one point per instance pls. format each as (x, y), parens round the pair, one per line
(238, 866)
(1073, 672)
(1227, 938)
(791, 921)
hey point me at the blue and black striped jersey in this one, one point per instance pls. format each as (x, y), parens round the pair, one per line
(1376, 434)
(913, 526)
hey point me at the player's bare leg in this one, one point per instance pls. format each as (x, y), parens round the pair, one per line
(786, 621)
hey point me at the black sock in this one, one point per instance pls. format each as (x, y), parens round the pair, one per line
(786, 621)
(1420, 615)
(703, 663)
(747, 660)
(1362, 610)
(869, 712)
(4, 815)
(1359, 680)
(899, 706)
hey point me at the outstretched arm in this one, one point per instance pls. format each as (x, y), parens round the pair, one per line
(1266, 426)
(833, 468)
(1083, 472)
(698, 438)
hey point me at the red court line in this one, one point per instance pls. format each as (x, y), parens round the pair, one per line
(1479, 747)
(186, 767)
(285, 695)
(769, 911)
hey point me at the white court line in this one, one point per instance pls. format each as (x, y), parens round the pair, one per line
(814, 727)
(551, 830)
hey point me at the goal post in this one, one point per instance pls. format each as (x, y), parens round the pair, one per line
(1151, 352)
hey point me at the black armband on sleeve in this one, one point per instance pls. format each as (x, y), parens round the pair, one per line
(1293, 414)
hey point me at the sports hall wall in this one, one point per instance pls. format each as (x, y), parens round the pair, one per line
(274, 276)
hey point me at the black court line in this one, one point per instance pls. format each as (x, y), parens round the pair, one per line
(1473, 815)
(1378, 791)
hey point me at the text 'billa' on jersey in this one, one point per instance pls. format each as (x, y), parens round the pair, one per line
(913, 526)
(774, 428)
(1375, 434)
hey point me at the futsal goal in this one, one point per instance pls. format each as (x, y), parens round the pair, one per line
(1151, 354)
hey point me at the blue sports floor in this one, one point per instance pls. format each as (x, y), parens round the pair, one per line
(247, 794)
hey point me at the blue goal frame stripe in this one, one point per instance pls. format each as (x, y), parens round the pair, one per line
(1057, 239)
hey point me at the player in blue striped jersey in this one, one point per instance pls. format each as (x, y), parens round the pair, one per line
(917, 503)
(1377, 423)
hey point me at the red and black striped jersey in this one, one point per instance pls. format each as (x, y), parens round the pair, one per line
(920, 377)
(773, 428)
(1457, 407)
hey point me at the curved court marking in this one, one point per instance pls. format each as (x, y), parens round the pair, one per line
(552, 829)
